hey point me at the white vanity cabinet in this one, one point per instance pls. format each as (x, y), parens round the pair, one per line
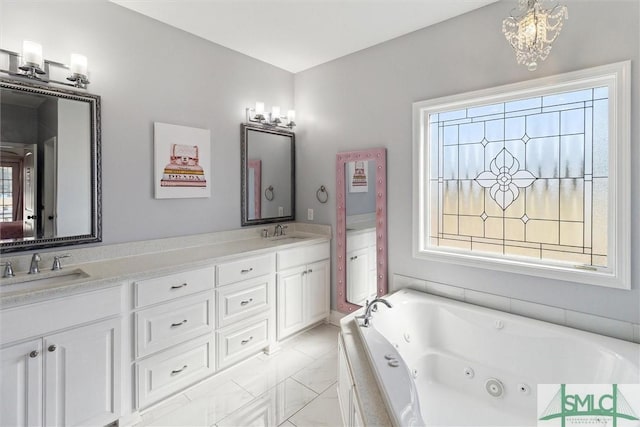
(303, 281)
(361, 266)
(71, 354)
(174, 341)
(245, 294)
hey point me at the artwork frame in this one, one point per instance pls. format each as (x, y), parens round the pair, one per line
(182, 161)
(357, 175)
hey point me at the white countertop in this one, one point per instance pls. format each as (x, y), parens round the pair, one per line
(148, 263)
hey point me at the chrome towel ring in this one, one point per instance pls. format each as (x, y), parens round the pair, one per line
(268, 193)
(322, 194)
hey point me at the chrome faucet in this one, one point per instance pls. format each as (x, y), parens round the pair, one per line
(33, 268)
(56, 262)
(277, 231)
(8, 269)
(371, 307)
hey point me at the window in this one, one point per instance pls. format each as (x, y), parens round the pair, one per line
(530, 178)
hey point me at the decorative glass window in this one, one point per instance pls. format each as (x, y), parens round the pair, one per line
(531, 178)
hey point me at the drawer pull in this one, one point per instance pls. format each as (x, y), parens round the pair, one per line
(309, 271)
(177, 371)
(245, 302)
(175, 325)
(245, 271)
(243, 342)
(179, 286)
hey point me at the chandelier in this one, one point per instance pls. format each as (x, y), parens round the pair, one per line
(532, 31)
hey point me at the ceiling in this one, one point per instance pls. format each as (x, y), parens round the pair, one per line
(299, 34)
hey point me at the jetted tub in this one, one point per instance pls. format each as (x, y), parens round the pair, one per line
(441, 362)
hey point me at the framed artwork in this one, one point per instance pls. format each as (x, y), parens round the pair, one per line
(182, 159)
(357, 176)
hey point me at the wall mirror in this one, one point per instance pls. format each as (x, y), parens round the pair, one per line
(268, 174)
(50, 166)
(361, 227)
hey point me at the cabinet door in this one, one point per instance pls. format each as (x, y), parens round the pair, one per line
(317, 292)
(358, 276)
(21, 384)
(290, 297)
(82, 375)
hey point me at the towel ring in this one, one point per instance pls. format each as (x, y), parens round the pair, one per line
(322, 190)
(268, 193)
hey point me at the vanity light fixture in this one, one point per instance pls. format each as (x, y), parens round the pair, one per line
(78, 70)
(274, 118)
(31, 59)
(532, 32)
(32, 65)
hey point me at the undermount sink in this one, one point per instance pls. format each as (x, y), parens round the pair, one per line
(283, 239)
(31, 282)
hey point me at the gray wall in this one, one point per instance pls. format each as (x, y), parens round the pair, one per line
(364, 100)
(146, 71)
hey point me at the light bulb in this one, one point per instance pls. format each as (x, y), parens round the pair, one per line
(291, 115)
(275, 111)
(259, 108)
(32, 53)
(78, 64)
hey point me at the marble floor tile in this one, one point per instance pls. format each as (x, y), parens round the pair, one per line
(319, 375)
(220, 401)
(323, 411)
(164, 408)
(316, 345)
(258, 376)
(273, 407)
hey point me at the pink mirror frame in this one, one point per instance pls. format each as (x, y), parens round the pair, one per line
(379, 155)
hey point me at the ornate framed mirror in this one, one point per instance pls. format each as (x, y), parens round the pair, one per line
(50, 166)
(267, 157)
(361, 227)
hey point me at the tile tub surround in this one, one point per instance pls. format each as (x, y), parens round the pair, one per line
(573, 319)
(108, 265)
(297, 386)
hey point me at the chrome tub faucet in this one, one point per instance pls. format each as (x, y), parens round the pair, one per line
(372, 307)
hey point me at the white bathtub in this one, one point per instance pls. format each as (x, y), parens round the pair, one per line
(447, 351)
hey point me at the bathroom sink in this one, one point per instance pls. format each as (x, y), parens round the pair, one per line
(287, 239)
(27, 283)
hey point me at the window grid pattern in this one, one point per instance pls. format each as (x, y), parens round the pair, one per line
(523, 178)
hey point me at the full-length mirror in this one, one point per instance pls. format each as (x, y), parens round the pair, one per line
(268, 174)
(361, 227)
(50, 166)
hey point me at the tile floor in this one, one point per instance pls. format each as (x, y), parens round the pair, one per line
(293, 387)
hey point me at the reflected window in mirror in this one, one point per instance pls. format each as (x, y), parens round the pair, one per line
(49, 158)
(361, 227)
(268, 175)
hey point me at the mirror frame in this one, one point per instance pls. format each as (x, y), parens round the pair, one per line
(379, 155)
(96, 167)
(244, 170)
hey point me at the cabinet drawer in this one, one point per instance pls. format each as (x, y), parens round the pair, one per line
(360, 240)
(168, 324)
(245, 268)
(245, 299)
(238, 342)
(303, 255)
(151, 291)
(172, 370)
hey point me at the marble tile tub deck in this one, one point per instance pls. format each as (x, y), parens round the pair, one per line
(293, 387)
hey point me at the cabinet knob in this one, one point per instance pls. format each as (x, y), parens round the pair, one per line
(52, 348)
(34, 354)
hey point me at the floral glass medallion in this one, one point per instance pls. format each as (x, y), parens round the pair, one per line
(505, 178)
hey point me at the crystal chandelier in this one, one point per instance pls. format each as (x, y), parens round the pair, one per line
(532, 31)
